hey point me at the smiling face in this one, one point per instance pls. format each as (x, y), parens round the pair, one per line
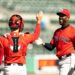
(63, 20)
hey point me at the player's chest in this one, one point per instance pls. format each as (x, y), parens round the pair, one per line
(62, 36)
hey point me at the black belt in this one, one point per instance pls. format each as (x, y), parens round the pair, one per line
(62, 57)
(14, 64)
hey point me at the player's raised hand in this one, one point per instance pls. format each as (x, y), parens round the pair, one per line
(39, 17)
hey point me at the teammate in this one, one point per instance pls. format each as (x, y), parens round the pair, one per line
(15, 45)
(64, 42)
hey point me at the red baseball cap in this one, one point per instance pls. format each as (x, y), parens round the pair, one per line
(64, 12)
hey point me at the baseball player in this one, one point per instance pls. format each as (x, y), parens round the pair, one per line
(64, 42)
(15, 45)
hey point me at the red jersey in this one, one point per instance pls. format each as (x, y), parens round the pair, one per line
(64, 40)
(15, 45)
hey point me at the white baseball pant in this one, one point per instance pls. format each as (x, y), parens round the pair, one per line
(66, 65)
(15, 69)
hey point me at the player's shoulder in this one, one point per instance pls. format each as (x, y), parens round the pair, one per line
(72, 27)
(57, 30)
(27, 33)
(6, 35)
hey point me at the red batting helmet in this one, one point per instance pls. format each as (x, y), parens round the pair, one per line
(16, 21)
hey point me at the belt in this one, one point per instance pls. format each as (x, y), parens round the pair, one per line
(14, 64)
(62, 57)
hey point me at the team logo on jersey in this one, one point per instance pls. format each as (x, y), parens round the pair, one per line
(63, 39)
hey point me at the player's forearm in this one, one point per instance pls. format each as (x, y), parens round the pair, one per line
(37, 30)
(36, 33)
(48, 46)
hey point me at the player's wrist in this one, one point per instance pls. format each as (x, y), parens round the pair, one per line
(43, 43)
(38, 22)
